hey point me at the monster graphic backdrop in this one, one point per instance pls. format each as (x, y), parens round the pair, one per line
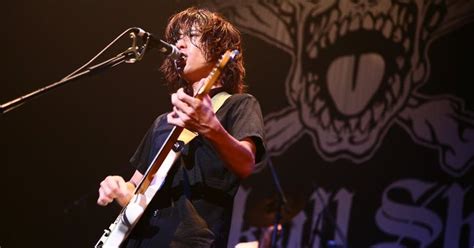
(373, 145)
(368, 107)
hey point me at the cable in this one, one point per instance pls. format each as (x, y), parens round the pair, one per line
(327, 214)
(100, 53)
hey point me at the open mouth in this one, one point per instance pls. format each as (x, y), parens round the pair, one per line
(351, 79)
(353, 70)
(180, 63)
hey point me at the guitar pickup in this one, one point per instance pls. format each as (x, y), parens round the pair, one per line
(178, 146)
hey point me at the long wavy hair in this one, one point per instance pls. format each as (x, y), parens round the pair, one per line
(218, 36)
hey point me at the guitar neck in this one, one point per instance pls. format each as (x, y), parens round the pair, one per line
(170, 143)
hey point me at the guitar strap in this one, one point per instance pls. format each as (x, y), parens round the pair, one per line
(217, 101)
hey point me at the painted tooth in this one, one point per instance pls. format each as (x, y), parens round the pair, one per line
(396, 86)
(323, 42)
(368, 22)
(343, 29)
(406, 44)
(397, 35)
(332, 33)
(313, 51)
(286, 7)
(400, 62)
(356, 137)
(314, 78)
(314, 39)
(419, 73)
(353, 122)
(304, 81)
(355, 23)
(394, 14)
(312, 28)
(401, 18)
(316, 89)
(378, 111)
(338, 124)
(308, 115)
(359, 137)
(318, 105)
(343, 130)
(312, 45)
(323, 22)
(365, 120)
(309, 77)
(387, 29)
(334, 16)
(333, 135)
(379, 23)
(325, 118)
(312, 91)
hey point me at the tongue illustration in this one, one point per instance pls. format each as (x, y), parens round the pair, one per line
(353, 80)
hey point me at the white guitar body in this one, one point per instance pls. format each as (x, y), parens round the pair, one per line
(119, 230)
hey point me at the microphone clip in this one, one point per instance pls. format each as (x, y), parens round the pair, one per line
(137, 51)
(151, 42)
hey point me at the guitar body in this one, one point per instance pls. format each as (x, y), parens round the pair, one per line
(155, 176)
(119, 230)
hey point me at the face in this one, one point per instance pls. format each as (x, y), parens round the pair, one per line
(194, 66)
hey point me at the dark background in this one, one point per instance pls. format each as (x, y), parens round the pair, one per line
(57, 148)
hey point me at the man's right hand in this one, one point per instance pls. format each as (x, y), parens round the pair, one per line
(115, 188)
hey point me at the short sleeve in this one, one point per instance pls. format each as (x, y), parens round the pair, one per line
(245, 120)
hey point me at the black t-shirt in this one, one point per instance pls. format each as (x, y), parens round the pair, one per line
(211, 184)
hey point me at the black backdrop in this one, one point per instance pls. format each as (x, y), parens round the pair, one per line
(57, 148)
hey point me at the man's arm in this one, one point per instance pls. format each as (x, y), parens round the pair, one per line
(198, 115)
(115, 188)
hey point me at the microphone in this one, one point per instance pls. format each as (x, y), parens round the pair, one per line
(164, 47)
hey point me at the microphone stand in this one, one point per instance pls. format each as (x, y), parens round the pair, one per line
(131, 55)
(281, 203)
(326, 214)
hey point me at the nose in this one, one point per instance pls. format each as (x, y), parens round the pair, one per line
(180, 43)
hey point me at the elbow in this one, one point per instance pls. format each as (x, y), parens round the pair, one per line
(245, 173)
(248, 168)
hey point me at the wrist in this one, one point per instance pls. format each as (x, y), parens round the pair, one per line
(214, 130)
(123, 200)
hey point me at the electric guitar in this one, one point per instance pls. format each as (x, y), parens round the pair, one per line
(156, 173)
